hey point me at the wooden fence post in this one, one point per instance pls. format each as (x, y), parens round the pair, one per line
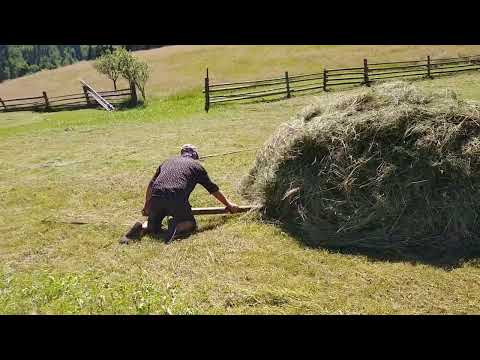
(207, 93)
(288, 84)
(47, 104)
(86, 95)
(365, 72)
(133, 94)
(428, 68)
(325, 80)
(3, 104)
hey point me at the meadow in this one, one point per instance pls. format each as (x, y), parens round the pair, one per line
(93, 166)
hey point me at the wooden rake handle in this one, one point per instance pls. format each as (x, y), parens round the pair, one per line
(212, 211)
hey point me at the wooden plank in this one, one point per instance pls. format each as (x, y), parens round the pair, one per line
(452, 71)
(3, 104)
(398, 62)
(218, 210)
(245, 82)
(19, 99)
(114, 95)
(397, 72)
(210, 211)
(397, 76)
(355, 68)
(347, 83)
(347, 73)
(98, 98)
(456, 58)
(246, 86)
(452, 67)
(304, 75)
(249, 97)
(398, 67)
(54, 101)
(305, 80)
(26, 103)
(114, 91)
(308, 88)
(435, 63)
(246, 93)
(350, 78)
(66, 97)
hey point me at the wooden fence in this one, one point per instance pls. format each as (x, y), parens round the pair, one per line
(66, 102)
(287, 85)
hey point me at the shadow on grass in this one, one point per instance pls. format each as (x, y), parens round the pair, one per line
(212, 225)
(442, 251)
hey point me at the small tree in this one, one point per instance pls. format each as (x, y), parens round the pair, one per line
(142, 74)
(108, 65)
(123, 63)
(135, 71)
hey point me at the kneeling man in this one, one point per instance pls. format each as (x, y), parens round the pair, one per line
(168, 193)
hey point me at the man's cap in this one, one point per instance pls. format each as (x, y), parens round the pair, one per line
(189, 149)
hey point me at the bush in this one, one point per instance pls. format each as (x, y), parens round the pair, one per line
(391, 168)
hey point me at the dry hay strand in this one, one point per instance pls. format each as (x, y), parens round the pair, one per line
(391, 168)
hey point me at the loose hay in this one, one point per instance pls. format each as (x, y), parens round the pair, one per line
(392, 168)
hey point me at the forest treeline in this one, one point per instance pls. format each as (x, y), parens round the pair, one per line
(20, 60)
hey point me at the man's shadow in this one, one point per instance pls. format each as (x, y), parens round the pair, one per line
(212, 224)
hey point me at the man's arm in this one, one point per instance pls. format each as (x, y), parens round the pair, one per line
(213, 189)
(232, 207)
(148, 195)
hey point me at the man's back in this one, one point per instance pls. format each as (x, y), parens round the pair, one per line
(179, 175)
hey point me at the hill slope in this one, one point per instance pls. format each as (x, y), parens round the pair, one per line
(182, 68)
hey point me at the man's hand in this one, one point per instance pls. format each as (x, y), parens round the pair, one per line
(233, 208)
(145, 211)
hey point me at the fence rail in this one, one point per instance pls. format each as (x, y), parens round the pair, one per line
(285, 86)
(64, 102)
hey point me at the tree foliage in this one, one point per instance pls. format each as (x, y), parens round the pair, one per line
(124, 63)
(108, 65)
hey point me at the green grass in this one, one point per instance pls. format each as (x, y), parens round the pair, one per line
(94, 166)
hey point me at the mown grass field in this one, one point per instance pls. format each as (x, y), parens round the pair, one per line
(93, 166)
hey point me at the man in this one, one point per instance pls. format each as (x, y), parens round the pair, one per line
(168, 193)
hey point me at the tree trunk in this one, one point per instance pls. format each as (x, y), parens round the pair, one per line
(115, 84)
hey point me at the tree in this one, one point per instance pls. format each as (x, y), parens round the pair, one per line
(135, 71)
(142, 74)
(109, 66)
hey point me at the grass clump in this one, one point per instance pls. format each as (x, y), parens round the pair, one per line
(390, 171)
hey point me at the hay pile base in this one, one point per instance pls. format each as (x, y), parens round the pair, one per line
(391, 168)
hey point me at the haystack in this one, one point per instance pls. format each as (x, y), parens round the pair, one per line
(390, 167)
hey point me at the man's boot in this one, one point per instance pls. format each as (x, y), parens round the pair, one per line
(171, 231)
(133, 234)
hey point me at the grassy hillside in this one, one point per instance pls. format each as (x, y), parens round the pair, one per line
(181, 68)
(90, 165)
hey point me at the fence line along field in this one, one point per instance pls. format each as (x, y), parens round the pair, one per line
(178, 69)
(284, 87)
